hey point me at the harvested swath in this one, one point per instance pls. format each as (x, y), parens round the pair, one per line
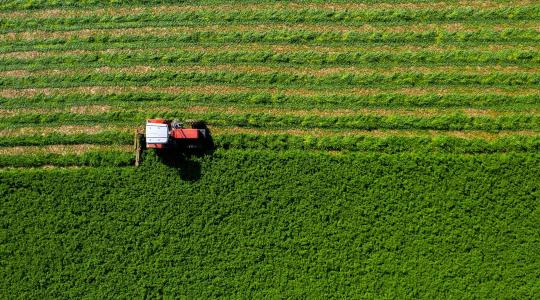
(107, 41)
(422, 112)
(80, 109)
(390, 144)
(126, 11)
(319, 132)
(62, 149)
(452, 121)
(272, 79)
(225, 89)
(462, 60)
(315, 71)
(269, 47)
(64, 129)
(35, 35)
(217, 130)
(289, 16)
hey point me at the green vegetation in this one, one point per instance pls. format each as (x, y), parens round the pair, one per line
(44, 4)
(166, 78)
(290, 224)
(106, 41)
(391, 100)
(455, 121)
(391, 144)
(269, 58)
(361, 149)
(317, 16)
(95, 159)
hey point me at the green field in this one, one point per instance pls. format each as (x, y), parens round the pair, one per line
(363, 149)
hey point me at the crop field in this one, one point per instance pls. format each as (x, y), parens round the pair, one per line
(363, 149)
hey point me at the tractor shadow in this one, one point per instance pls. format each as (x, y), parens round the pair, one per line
(186, 162)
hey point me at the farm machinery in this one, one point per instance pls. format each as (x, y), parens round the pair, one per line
(172, 137)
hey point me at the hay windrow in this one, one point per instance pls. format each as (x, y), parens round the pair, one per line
(62, 149)
(225, 89)
(126, 11)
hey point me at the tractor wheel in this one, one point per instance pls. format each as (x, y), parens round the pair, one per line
(196, 124)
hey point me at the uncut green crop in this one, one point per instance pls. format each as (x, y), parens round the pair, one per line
(260, 224)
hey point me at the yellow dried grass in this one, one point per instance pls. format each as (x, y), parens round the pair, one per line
(62, 149)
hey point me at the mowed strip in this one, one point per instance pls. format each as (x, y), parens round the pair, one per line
(231, 110)
(65, 129)
(141, 32)
(127, 11)
(229, 89)
(278, 49)
(159, 28)
(312, 59)
(68, 130)
(63, 149)
(276, 16)
(267, 79)
(320, 132)
(514, 36)
(143, 69)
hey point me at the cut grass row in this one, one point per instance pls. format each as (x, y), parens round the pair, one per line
(234, 6)
(265, 16)
(11, 93)
(36, 5)
(175, 29)
(273, 68)
(384, 99)
(277, 111)
(102, 141)
(454, 121)
(378, 59)
(278, 49)
(105, 129)
(104, 40)
(161, 79)
(55, 148)
(91, 158)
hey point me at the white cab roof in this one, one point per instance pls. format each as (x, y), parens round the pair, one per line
(157, 133)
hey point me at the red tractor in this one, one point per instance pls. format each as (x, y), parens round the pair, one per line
(171, 135)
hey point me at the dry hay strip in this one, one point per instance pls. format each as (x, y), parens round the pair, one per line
(229, 89)
(64, 129)
(82, 109)
(318, 132)
(418, 112)
(63, 149)
(297, 70)
(284, 48)
(170, 31)
(126, 11)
